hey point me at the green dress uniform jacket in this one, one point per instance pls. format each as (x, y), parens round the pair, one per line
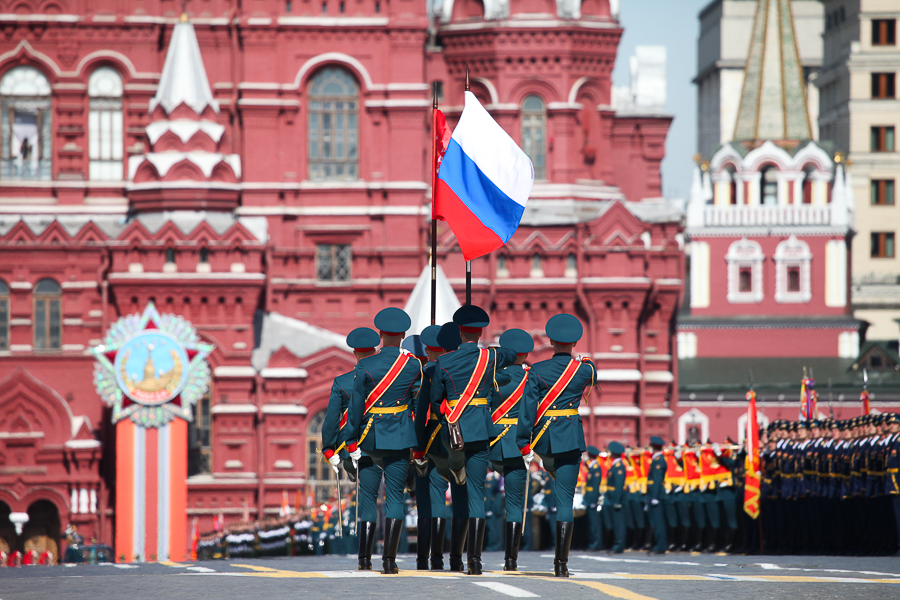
(565, 433)
(341, 389)
(387, 431)
(505, 447)
(452, 374)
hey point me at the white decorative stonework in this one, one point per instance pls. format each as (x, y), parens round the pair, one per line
(762, 421)
(745, 254)
(792, 254)
(693, 418)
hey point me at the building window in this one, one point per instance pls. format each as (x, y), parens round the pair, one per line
(4, 316)
(47, 315)
(883, 86)
(534, 134)
(333, 126)
(502, 266)
(105, 142)
(537, 266)
(204, 255)
(882, 245)
(807, 186)
(792, 272)
(768, 186)
(882, 139)
(25, 122)
(571, 265)
(883, 191)
(884, 32)
(745, 266)
(199, 448)
(333, 262)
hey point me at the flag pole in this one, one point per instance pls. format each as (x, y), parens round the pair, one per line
(468, 262)
(433, 258)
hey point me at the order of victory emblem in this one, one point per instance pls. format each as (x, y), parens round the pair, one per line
(151, 368)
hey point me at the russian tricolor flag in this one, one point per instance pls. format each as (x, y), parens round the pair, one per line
(483, 183)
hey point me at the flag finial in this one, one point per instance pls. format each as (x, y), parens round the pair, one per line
(467, 77)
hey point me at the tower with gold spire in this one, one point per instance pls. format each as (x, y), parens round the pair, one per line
(769, 218)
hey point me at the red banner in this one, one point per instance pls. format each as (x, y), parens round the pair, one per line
(751, 476)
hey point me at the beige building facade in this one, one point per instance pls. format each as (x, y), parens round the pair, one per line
(859, 115)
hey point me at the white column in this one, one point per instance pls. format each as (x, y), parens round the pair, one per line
(836, 273)
(699, 274)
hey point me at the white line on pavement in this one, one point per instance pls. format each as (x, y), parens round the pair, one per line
(200, 569)
(639, 560)
(118, 566)
(508, 590)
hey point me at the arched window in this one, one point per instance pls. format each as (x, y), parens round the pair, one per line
(316, 468)
(25, 122)
(732, 184)
(745, 277)
(333, 126)
(47, 315)
(792, 273)
(4, 316)
(808, 184)
(768, 186)
(502, 266)
(537, 266)
(105, 141)
(534, 134)
(571, 265)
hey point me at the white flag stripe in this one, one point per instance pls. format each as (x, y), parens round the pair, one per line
(496, 154)
(508, 590)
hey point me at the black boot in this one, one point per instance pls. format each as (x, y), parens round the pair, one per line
(511, 544)
(423, 543)
(393, 529)
(476, 541)
(438, 529)
(729, 540)
(366, 545)
(563, 542)
(637, 538)
(698, 539)
(459, 526)
(711, 537)
(672, 536)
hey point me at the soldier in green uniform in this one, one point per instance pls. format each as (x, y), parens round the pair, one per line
(465, 379)
(615, 496)
(334, 429)
(549, 424)
(380, 423)
(655, 491)
(505, 455)
(414, 345)
(592, 498)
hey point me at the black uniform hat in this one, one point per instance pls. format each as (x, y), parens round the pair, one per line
(564, 329)
(448, 337)
(471, 317)
(363, 338)
(413, 344)
(392, 321)
(517, 340)
(657, 441)
(891, 418)
(593, 451)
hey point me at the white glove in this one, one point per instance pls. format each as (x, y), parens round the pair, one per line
(716, 449)
(355, 456)
(335, 461)
(421, 461)
(654, 502)
(678, 454)
(528, 458)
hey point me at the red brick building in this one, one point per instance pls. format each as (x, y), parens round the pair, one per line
(269, 182)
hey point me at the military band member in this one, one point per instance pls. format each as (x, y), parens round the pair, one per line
(655, 492)
(381, 424)
(549, 424)
(615, 495)
(505, 455)
(462, 383)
